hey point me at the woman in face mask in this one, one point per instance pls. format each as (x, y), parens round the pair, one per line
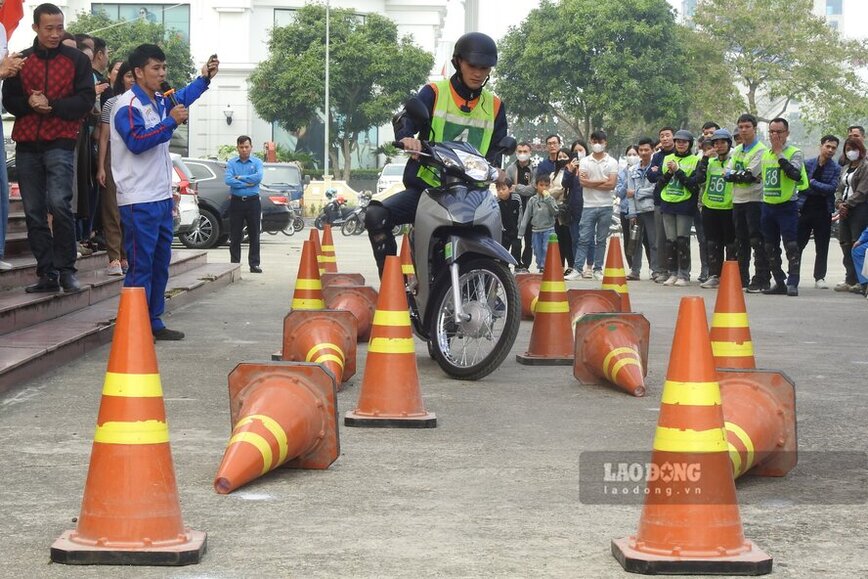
(575, 202)
(631, 159)
(852, 209)
(560, 194)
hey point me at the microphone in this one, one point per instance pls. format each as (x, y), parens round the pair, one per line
(169, 93)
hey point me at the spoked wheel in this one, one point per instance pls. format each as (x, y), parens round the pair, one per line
(350, 225)
(297, 224)
(472, 349)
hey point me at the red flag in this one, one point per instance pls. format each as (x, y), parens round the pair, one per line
(10, 15)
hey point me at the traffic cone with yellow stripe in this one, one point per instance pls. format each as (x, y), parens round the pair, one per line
(329, 258)
(730, 330)
(326, 337)
(130, 513)
(614, 277)
(528, 290)
(339, 279)
(551, 338)
(320, 260)
(690, 523)
(759, 412)
(361, 301)
(308, 287)
(585, 301)
(283, 414)
(613, 348)
(390, 396)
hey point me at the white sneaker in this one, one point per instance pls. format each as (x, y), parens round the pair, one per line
(587, 274)
(842, 287)
(573, 275)
(671, 280)
(821, 284)
(5, 265)
(681, 282)
(598, 275)
(114, 268)
(711, 283)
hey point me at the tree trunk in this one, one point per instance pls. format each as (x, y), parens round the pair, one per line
(347, 146)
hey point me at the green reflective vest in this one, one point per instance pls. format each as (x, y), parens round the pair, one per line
(717, 193)
(450, 123)
(777, 186)
(675, 191)
(742, 160)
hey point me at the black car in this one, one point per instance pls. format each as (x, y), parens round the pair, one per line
(213, 229)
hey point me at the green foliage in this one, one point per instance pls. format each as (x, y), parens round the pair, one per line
(372, 72)
(782, 53)
(121, 38)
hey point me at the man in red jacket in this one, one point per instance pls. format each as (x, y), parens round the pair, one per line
(49, 98)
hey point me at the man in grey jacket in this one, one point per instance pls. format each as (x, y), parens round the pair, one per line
(640, 206)
(522, 175)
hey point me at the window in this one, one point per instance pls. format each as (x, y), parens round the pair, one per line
(834, 7)
(174, 17)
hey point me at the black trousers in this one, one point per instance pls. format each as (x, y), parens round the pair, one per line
(244, 211)
(749, 236)
(565, 244)
(815, 218)
(512, 243)
(719, 237)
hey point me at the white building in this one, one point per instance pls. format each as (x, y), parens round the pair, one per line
(238, 31)
(846, 16)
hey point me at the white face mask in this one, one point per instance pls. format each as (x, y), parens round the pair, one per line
(853, 155)
(632, 160)
(580, 155)
(598, 147)
(523, 157)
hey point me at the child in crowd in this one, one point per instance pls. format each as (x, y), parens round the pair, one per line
(540, 214)
(510, 216)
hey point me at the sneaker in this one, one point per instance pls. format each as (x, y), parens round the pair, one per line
(168, 335)
(84, 250)
(792, 291)
(755, 287)
(633, 276)
(857, 289)
(255, 269)
(587, 274)
(821, 284)
(778, 289)
(702, 279)
(114, 268)
(5, 265)
(842, 287)
(69, 283)
(598, 275)
(568, 271)
(573, 275)
(681, 282)
(661, 278)
(46, 284)
(670, 281)
(711, 283)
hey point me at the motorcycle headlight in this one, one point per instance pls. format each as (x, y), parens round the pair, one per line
(475, 167)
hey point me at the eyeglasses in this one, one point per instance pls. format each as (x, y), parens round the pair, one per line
(782, 131)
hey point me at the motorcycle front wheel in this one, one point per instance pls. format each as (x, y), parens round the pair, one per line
(297, 224)
(320, 222)
(350, 225)
(474, 348)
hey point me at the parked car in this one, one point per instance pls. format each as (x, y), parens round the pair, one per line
(391, 174)
(213, 226)
(185, 197)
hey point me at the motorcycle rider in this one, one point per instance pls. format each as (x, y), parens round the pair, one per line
(460, 109)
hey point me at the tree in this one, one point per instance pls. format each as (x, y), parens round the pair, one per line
(781, 53)
(372, 72)
(596, 64)
(123, 36)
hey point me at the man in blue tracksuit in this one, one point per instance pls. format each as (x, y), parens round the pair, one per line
(142, 124)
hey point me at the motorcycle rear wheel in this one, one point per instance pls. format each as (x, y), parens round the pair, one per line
(350, 225)
(473, 349)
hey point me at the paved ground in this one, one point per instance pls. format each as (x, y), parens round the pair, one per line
(493, 491)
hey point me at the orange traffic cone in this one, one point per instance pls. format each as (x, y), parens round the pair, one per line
(528, 290)
(614, 277)
(551, 338)
(326, 337)
(759, 412)
(308, 287)
(407, 267)
(330, 279)
(361, 301)
(130, 514)
(320, 260)
(613, 348)
(690, 523)
(730, 331)
(329, 258)
(592, 302)
(390, 396)
(283, 414)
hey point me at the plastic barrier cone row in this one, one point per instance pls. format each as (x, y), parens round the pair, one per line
(614, 277)
(528, 290)
(390, 395)
(613, 348)
(361, 301)
(326, 337)
(308, 287)
(690, 522)
(730, 330)
(759, 412)
(551, 338)
(585, 301)
(130, 513)
(341, 279)
(314, 239)
(329, 258)
(283, 414)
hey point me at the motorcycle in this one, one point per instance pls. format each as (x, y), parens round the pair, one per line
(335, 212)
(355, 223)
(464, 302)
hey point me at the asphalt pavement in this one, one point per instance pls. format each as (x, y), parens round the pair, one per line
(492, 491)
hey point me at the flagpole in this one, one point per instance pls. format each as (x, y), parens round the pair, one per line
(326, 110)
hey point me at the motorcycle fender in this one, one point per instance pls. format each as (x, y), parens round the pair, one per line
(479, 244)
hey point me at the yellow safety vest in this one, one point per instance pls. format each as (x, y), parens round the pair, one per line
(777, 186)
(718, 192)
(675, 191)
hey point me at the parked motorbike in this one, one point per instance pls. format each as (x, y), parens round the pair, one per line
(355, 223)
(334, 212)
(465, 301)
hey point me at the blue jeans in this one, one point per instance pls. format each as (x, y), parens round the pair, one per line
(781, 221)
(540, 246)
(593, 229)
(45, 179)
(148, 243)
(858, 253)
